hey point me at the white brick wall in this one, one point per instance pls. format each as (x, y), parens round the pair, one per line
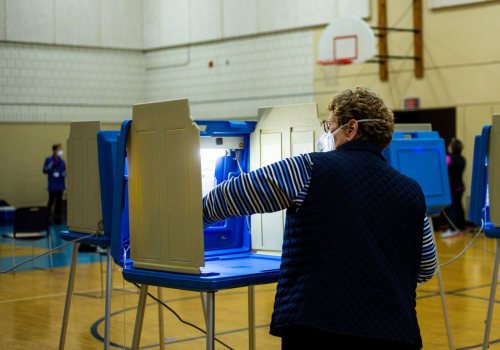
(260, 71)
(42, 83)
(49, 83)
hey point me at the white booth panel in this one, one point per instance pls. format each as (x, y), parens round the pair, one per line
(84, 196)
(165, 206)
(281, 132)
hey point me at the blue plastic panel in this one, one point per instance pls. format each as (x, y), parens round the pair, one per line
(106, 149)
(104, 241)
(479, 178)
(218, 273)
(479, 208)
(120, 237)
(232, 235)
(421, 155)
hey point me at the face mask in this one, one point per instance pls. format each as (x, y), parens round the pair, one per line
(325, 142)
(329, 145)
(60, 153)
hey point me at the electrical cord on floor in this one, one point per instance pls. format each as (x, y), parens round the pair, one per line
(465, 239)
(459, 254)
(53, 249)
(180, 318)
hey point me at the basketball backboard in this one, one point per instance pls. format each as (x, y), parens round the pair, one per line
(346, 40)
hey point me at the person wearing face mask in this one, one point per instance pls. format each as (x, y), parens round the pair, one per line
(356, 240)
(55, 168)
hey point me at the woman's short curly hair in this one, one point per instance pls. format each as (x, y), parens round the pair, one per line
(358, 104)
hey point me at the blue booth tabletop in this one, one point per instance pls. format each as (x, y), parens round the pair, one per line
(219, 273)
(99, 240)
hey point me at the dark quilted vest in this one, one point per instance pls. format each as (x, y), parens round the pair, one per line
(351, 252)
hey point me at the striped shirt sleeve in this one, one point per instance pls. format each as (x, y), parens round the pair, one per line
(272, 188)
(428, 259)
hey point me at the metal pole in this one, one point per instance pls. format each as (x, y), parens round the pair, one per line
(491, 302)
(69, 293)
(251, 317)
(160, 320)
(107, 312)
(203, 296)
(441, 292)
(139, 318)
(210, 320)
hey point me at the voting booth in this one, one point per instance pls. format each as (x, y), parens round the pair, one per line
(173, 161)
(484, 209)
(421, 155)
(165, 163)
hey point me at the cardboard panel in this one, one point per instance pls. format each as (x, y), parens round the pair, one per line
(84, 196)
(281, 132)
(165, 206)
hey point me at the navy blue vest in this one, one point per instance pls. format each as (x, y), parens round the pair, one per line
(351, 252)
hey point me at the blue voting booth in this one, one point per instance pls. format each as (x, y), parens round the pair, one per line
(229, 260)
(480, 207)
(421, 155)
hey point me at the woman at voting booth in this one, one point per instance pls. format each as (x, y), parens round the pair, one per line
(356, 239)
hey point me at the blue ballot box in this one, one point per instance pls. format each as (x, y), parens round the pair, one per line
(229, 260)
(421, 155)
(479, 208)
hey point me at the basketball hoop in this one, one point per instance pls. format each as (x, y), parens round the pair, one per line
(344, 41)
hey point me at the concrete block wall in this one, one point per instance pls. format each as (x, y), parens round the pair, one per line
(42, 83)
(247, 73)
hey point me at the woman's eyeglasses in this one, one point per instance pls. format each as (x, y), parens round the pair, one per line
(327, 125)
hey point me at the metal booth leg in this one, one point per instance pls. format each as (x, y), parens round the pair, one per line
(69, 293)
(139, 317)
(251, 317)
(107, 311)
(203, 296)
(491, 302)
(441, 292)
(210, 320)
(160, 320)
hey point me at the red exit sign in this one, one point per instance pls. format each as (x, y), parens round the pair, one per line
(411, 103)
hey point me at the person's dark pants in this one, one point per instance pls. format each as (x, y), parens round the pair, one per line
(303, 338)
(455, 211)
(55, 197)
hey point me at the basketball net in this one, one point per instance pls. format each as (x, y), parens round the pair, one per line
(330, 72)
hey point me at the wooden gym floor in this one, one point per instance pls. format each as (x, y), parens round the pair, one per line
(32, 303)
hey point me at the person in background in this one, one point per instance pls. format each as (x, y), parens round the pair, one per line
(456, 166)
(356, 240)
(55, 168)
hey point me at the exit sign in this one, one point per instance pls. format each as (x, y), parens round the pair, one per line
(411, 103)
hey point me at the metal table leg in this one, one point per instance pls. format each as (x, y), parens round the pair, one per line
(203, 296)
(107, 312)
(210, 320)
(251, 317)
(69, 293)
(160, 320)
(491, 302)
(139, 317)
(441, 292)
